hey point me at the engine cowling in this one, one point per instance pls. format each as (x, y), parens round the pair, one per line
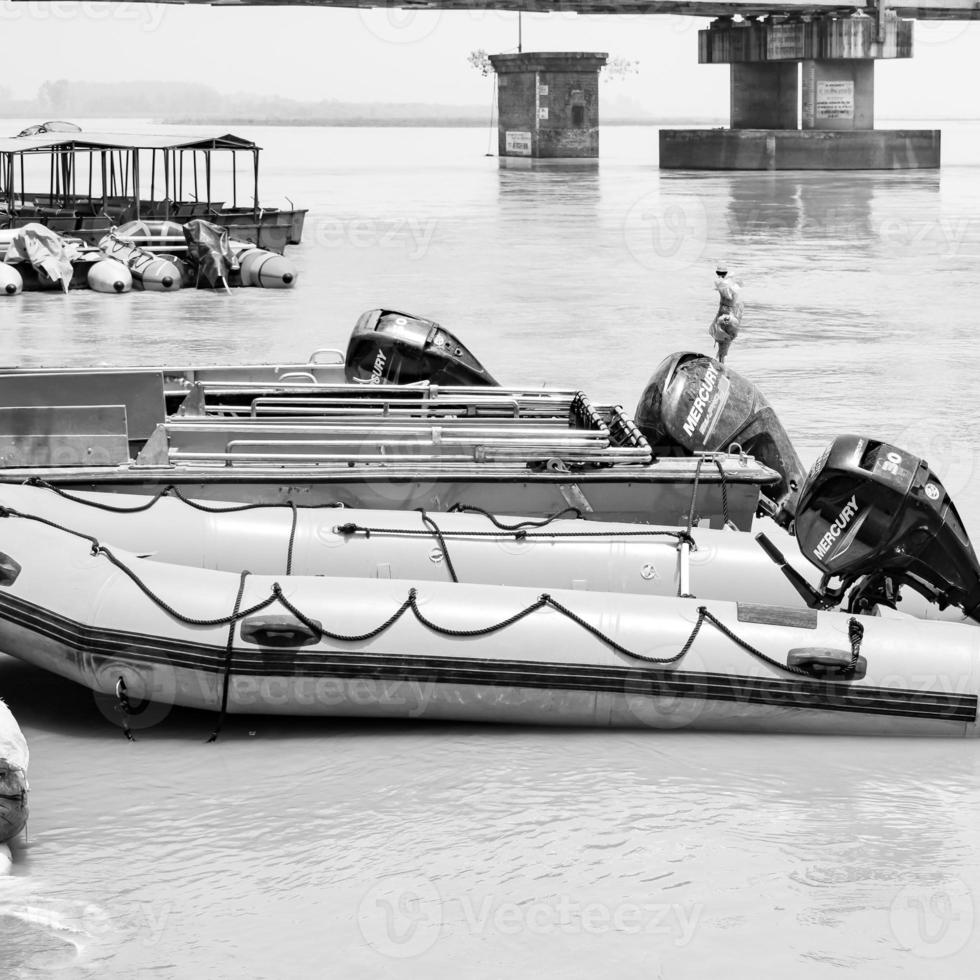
(391, 348)
(692, 403)
(868, 508)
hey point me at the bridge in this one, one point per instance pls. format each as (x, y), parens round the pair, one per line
(802, 80)
(921, 10)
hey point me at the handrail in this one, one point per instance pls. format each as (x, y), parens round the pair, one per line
(339, 354)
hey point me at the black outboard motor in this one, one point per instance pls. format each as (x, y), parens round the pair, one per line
(869, 511)
(391, 348)
(692, 403)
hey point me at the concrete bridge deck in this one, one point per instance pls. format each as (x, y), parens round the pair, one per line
(920, 10)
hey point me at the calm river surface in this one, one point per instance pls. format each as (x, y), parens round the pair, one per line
(302, 849)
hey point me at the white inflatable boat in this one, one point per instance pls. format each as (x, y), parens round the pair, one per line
(388, 648)
(473, 547)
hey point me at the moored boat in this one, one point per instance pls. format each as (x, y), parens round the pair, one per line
(380, 446)
(147, 631)
(481, 548)
(83, 183)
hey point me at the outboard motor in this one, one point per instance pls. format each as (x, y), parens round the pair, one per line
(391, 348)
(878, 518)
(692, 404)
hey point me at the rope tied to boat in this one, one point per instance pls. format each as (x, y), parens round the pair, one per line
(172, 491)
(855, 633)
(229, 652)
(572, 512)
(680, 535)
(694, 492)
(292, 537)
(431, 524)
(124, 707)
(545, 599)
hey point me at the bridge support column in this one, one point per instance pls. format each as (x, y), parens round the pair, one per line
(838, 57)
(548, 104)
(765, 95)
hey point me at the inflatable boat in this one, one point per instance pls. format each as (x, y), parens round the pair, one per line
(13, 779)
(841, 659)
(145, 631)
(477, 547)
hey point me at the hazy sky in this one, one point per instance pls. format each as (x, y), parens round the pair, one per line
(408, 56)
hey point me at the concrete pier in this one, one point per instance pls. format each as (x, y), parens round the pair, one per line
(802, 98)
(548, 104)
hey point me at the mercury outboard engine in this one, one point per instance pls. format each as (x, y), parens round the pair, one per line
(878, 518)
(391, 348)
(692, 404)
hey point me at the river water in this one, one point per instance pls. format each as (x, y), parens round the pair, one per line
(298, 848)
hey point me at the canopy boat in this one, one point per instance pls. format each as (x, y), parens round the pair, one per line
(153, 631)
(13, 780)
(84, 183)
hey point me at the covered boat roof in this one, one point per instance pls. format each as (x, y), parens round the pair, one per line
(47, 142)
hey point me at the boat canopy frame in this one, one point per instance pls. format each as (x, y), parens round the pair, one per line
(119, 167)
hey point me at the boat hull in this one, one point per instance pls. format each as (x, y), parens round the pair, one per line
(660, 493)
(467, 652)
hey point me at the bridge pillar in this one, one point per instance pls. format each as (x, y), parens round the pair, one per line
(765, 95)
(838, 56)
(548, 103)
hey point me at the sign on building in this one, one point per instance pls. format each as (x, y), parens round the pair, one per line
(517, 143)
(835, 100)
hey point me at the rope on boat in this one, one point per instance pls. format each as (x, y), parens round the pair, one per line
(431, 524)
(171, 491)
(229, 652)
(292, 538)
(411, 604)
(694, 492)
(124, 708)
(572, 512)
(855, 633)
(680, 535)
